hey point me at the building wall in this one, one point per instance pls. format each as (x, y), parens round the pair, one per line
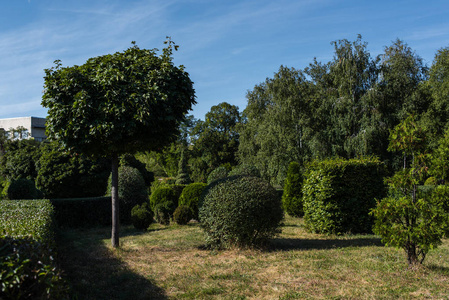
(35, 126)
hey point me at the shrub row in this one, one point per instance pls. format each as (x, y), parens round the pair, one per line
(27, 266)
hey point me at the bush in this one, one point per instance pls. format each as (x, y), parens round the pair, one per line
(27, 266)
(292, 195)
(163, 212)
(131, 191)
(245, 170)
(130, 161)
(218, 173)
(163, 194)
(190, 197)
(339, 194)
(22, 188)
(141, 216)
(182, 215)
(240, 211)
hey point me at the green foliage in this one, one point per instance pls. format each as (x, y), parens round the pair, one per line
(164, 194)
(440, 159)
(292, 196)
(216, 174)
(410, 220)
(245, 170)
(338, 194)
(190, 197)
(27, 266)
(19, 159)
(141, 216)
(163, 212)
(22, 188)
(130, 161)
(182, 215)
(82, 212)
(240, 211)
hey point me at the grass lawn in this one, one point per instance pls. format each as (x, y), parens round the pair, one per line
(171, 263)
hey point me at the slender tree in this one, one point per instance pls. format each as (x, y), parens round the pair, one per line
(118, 103)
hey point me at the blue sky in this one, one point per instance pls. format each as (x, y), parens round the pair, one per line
(227, 46)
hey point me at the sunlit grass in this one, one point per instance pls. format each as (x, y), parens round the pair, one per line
(172, 263)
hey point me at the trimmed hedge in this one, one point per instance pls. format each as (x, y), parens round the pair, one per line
(218, 173)
(22, 189)
(339, 194)
(292, 197)
(83, 212)
(245, 170)
(27, 266)
(141, 216)
(190, 197)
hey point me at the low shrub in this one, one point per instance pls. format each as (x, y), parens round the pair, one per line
(141, 216)
(292, 196)
(339, 194)
(163, 194)
(21, 189)
(190, 197)
(163, 212)
(240, 211)
(218, 173)
(182, 215)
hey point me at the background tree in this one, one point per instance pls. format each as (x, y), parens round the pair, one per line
(119, 103)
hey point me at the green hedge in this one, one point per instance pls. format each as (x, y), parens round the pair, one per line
(338, 194)
(27, 266)
(83, 212)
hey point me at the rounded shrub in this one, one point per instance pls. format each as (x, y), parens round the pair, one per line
(182, 215)
(292, 195)
(163, 212)
(21, 189)
(163, 194)
(218, 173)
(246, 170)
(141, 216)
(190, 197)
(240, 211)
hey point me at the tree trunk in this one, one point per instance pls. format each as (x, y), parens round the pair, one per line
(115, 202)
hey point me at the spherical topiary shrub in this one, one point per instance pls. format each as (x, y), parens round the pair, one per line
(163, 212)
(190, 197)
(240, 211)
(21, 189)
(163, 194)
(141, 216)
(182, 215)
(246, 170)
(218, 173)
(131, 190)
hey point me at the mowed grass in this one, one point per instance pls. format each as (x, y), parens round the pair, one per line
(172, 263)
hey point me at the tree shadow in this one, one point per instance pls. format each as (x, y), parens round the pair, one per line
(94, 272)
(282, 244)
(439, 269)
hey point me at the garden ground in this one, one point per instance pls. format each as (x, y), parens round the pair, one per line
(171, 262)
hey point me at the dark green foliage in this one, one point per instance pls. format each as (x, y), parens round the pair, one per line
(292, 197)
(245, 170)
(182, 215)
(183, 174)
(218, 173)
(190, 197)
(240, 211)
(62, 174)
(163, 212)
(19, 159)
(130, 161)
(141, 216)
(82, 212)
(27, 266)
(338, 194)
(22, 189)
(162, 195)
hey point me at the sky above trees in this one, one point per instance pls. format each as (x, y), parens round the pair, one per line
(227, 46)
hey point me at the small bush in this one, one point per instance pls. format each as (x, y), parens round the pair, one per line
(141, 216)
(245, 170)
(190, 197)
(240, 211)
(182, 215)
(292, 195)
(218, 173)
(22, 189)
(162, 195)
(163, 212)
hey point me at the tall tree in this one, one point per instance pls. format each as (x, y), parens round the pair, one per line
(119, 103)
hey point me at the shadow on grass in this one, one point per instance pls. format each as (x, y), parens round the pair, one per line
(279, 244)
(94, 272)
(439, 269)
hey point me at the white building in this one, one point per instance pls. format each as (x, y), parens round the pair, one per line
(34, 127)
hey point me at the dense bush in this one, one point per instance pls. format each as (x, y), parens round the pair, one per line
(163, 194)
(83, 212)
(339, 194)
(240, 211)
(19, 159)
(163, 212)
(27, 266)
(22, 188)
(130, 161)
(131, 191)
(245, 170)
(190, 197)
(292, 195)
(141, 216)
(218, 173)
(182, 215)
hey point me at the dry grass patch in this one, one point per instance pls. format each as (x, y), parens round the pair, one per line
(171, 263)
